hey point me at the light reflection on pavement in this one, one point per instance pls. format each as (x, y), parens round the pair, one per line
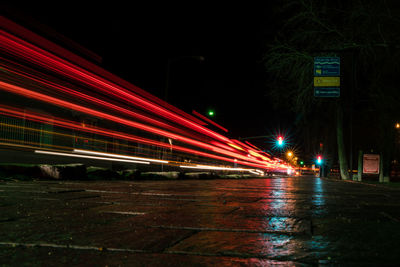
(288, 221)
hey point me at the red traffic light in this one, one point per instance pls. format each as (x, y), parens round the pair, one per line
(280, 141)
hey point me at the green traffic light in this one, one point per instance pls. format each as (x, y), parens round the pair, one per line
(301, 162)
(211, 113)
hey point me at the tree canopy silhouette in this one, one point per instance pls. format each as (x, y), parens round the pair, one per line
(364, 34)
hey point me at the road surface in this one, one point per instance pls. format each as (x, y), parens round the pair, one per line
(257, 222)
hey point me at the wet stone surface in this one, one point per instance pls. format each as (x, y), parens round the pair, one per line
(255, 222)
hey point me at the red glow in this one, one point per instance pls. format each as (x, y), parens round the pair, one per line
(58, 65)
(175, 124)
(99, 114)
(63, 53)
(77, 126)
(253, 146)
(100, 102)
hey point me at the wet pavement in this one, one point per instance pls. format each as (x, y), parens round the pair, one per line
(254, 222)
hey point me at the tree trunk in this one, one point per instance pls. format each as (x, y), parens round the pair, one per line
(344, 174)
(381, 177)
(360, 165)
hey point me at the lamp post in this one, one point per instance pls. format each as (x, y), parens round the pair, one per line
(166, 90)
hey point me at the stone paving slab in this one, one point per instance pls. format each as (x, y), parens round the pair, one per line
(279, 246)
(49, 256)
(257, 222)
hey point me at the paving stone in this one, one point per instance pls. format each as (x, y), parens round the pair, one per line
(261, 222)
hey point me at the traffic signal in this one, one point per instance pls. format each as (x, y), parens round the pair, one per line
(279, 141)
(211, 113)
(301, 163)
(319, 160)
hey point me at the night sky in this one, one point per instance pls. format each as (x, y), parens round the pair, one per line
(136, 42)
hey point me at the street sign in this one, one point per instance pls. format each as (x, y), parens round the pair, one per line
(327, 76)
(326, 91)
(327, 66)
(326, 81)
(371, 164)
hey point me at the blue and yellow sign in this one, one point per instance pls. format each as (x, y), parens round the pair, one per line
(327, 76)
(326, 91)
(326, 81)
(327, 66)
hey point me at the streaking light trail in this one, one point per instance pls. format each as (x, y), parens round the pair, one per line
(118, 156)
(99, 114)
(73, 125)
(88, 157)
(205, 167)
(77, 105)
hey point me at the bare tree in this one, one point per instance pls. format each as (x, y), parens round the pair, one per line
(363, 33)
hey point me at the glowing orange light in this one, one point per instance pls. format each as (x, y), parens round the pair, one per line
(235, 146)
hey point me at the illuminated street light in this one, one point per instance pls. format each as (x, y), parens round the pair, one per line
(397, 125)
(290, 154)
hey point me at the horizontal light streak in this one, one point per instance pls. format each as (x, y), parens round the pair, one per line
(54, 63)
(47, 45)
(23, 50)
(235, 146)
(88, 157)
(138, 125)
(117, 156)
(208, 167)
(253, 172)
(9, 111)
(100, 102)
(62, 103)
(253, 146)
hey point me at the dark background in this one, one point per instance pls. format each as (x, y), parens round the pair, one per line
(137, 41)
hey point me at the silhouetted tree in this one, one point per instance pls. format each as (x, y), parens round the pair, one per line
(364, 33)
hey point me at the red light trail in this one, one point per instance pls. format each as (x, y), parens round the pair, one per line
(31, 72)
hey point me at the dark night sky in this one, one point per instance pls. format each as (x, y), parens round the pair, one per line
(136, 42)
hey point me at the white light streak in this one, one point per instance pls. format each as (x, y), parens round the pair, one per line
(117, 156)
(88, 157)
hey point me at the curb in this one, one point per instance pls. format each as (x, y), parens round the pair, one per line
(357, 182)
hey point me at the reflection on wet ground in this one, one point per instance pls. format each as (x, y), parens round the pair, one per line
(281, 220)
